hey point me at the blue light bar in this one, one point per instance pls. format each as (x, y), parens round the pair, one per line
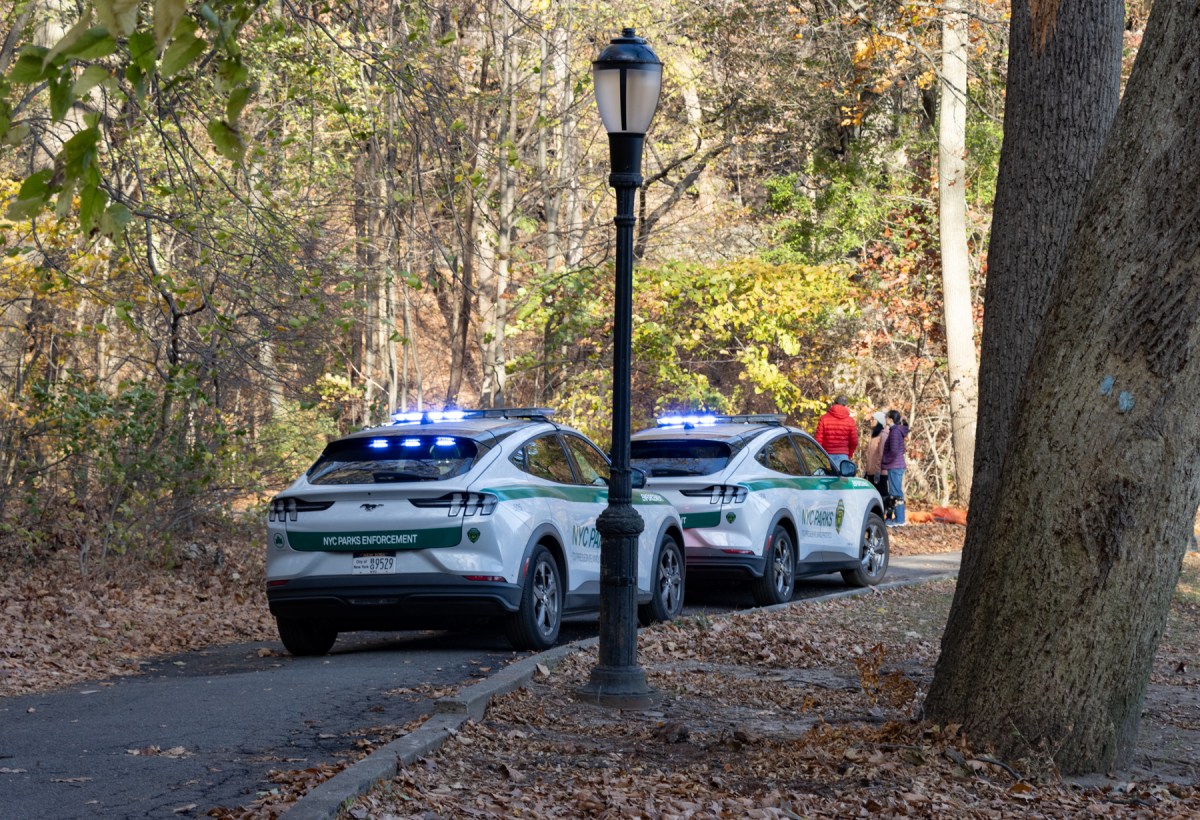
(710, 419)
(444, 441)
(379, 443)
(412, 442)
(687, 421)
(431, 416)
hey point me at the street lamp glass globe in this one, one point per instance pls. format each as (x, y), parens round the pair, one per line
(628, 78)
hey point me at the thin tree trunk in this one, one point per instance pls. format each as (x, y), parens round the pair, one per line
(956, 271)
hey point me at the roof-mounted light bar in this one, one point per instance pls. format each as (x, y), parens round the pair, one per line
(709, 419)
(432, 416)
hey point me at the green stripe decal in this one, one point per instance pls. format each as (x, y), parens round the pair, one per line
(808, 482)
(580, 494)
(375, 540)
(692, 521)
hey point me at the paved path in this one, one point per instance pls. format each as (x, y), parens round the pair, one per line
(238, 714)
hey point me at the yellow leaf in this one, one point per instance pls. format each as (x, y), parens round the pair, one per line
(167, 14)
(118, 16)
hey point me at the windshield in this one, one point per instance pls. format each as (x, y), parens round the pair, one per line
(664, 457)
(391, 459)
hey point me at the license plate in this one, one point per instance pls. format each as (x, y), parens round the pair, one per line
(374, 565)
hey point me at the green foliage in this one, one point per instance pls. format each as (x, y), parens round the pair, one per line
(745, 336)
(135, 467)
(291, 440)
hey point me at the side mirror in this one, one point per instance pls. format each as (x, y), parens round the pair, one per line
(637, 477)
(848, 469)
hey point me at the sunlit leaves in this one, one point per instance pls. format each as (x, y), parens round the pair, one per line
(118, 16)
(180, 54)
(227, 139)
(167, 14)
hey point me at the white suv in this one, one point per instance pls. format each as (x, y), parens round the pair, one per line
(762, 504)
(454, 519)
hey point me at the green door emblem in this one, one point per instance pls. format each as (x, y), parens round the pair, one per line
(472, 535)
(840, 516)
(278, 540)
(730, 517)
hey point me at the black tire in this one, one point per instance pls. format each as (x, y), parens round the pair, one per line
(535, 625)
(873, 554)
(778, 580)
(305, 637)
(666, 588)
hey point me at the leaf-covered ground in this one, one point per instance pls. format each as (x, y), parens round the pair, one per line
(807, 712)
(61, 626)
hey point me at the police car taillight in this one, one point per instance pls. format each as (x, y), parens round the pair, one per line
(283, 509)
(466, 503)
(719, 493)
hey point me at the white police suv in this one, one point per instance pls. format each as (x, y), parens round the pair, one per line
(456, 518)
(762, 503)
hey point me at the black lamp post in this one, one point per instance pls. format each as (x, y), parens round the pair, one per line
(628, 77)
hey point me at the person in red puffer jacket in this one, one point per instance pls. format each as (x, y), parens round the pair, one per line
(837, 432)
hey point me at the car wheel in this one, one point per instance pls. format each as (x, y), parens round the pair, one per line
(778, 580)
(873, 555)
(667, 587)
(305, 637)
(535, 625)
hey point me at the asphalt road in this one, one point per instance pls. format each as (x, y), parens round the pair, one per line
(224, 717)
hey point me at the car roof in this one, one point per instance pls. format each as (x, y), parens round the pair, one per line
(726, 431)
(468, 428)
(489, 423)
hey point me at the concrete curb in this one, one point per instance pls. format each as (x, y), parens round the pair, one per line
(449, 714)
(324, 802)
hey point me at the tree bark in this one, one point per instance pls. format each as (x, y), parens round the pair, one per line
(1052, 636)
(956, 271)
(1063, 87)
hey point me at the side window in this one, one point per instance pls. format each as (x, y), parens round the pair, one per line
(814, 457)
(780, 456)
(590, 462)
(545, 458)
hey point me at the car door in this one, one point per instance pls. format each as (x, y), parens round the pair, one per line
(779, 455)
(827, 524)
(592, 471)
(569, 507)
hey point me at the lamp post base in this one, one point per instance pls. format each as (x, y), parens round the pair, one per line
(619, 687)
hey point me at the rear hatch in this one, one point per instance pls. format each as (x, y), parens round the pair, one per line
(689, 472)
(384, 493)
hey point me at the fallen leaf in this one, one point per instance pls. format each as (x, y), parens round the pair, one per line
(5, 770)
(543, 670)
(184, 809)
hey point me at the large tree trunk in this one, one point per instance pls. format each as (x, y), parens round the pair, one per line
(1053, 633)
(956, 270)
(1063, 88)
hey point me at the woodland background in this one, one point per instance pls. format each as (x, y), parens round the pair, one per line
(312, 215)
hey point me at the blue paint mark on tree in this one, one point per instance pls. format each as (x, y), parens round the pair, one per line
(1125, 401)
(1106, 386)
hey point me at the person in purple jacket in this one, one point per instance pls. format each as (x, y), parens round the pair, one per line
(893, 462)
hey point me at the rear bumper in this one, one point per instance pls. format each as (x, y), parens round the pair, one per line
(392, 602)
(709, 562)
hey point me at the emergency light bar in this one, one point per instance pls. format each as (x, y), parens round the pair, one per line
(432, 416)
(709, 419)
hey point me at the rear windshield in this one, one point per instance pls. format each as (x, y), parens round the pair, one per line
(664, 457)
(392, 459)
